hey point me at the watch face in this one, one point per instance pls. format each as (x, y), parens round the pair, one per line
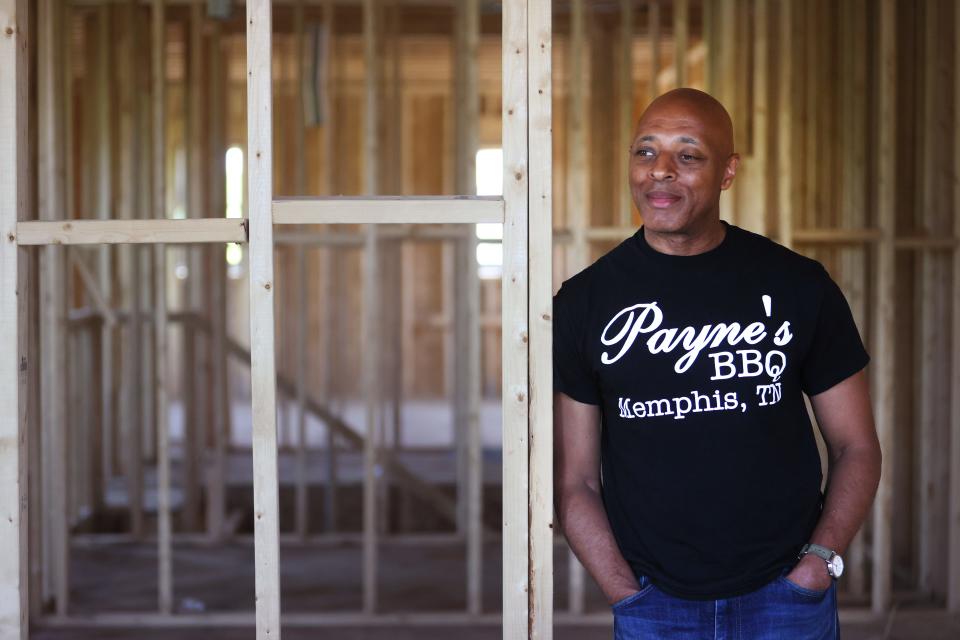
(836, 566)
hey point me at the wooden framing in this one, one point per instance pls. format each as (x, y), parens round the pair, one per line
(164, 526)
(14, 200)
(53, 351)
(953, 528)
(262, 359)
(388, 209)
(131, 231)
(883, 390)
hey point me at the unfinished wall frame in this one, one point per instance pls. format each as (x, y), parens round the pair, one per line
(525, 211)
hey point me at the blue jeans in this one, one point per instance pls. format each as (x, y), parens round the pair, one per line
(780, 610)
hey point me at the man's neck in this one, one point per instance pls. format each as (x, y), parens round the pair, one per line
(686, 244)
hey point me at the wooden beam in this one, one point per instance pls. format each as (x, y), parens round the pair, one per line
(302, 513)
(577, 211)
(109, 387)
(653, 29)
(470, 462)
(158, 60)
(92, 286)
(854, 260)
(388, 210)
(929, 337)
(786, 182)
(130, 182)
(884, 320)
(53, 301)
(158, 231)
(625, 111)
(953, 526)
(328, 284)
(262, 360)
(196, 354)
(681, 27)
(540, 318)
(216, 472)
(370, 320)
(515, 339)
(14, 199)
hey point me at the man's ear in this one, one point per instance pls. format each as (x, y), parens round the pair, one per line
(730, 171)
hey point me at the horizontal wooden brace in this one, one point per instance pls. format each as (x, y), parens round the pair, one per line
(187, 231)
(388, 210)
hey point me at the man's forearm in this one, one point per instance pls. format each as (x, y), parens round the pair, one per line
(587, 529)
(851, 487)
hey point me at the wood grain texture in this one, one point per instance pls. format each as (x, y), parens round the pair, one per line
(515, 337)
(262, 356)
(884, 367)
(145, 231)
(14, 199)
(540, 319)
(388, 210)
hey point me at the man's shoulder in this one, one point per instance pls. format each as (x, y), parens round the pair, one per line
(766, 253)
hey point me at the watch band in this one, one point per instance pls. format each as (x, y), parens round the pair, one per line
(817, 550)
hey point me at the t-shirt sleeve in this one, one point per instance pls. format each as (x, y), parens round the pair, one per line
(572, 373)
(836, 352)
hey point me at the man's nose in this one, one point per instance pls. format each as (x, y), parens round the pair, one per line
(663, 168)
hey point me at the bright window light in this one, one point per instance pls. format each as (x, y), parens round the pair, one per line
(234, 166)
(234, 182)
(490, 183)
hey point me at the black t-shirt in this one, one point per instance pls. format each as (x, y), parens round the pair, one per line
(710, 471)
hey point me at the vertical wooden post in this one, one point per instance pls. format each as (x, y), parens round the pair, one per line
(108, 388)
(129, 268)
(468, 301)
(883, 323)
(925, 355)
(785, 123)
(53, 302)
(725, 88)
(216, 478)
(681, 27)
(516, 388)
(953, 527)
(263, 373)
(164, 529)
(578, 196)
(195, 351)
(371, 343)
(540, 265)
(854, 275)
(626, 110)
(753, 210)
(299, 169)
(328, 274)
(654, 31)
(14, 199)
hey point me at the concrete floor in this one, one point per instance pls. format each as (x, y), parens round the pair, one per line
(122, 578)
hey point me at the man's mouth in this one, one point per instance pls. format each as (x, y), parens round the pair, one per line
(662, 199)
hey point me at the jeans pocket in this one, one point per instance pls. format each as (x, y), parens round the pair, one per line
(619, 605)
(812, 594)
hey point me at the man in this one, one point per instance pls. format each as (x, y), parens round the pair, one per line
(687, 473)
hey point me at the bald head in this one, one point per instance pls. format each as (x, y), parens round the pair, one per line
(694, 106)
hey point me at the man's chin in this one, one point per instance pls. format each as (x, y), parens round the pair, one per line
(661, 222)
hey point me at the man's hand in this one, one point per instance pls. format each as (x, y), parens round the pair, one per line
(811, 573)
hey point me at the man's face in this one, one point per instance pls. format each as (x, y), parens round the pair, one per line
(680, 161)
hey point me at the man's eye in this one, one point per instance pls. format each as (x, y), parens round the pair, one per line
(686, 157)
(644, 152)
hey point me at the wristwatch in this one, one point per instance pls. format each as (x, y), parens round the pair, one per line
(832, 558)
